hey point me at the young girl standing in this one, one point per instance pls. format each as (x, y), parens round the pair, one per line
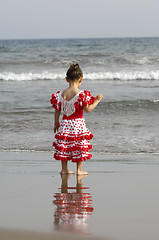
(72, 138)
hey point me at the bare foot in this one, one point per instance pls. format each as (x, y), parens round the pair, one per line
(82, 173)
(67, 172)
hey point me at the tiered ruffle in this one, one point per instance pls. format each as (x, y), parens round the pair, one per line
(85, 98)
(55, 101)
(65, 146)
(75, 157)
(86, 136)
(72, 141)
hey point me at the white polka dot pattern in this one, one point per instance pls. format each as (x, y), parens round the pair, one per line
(72, 141)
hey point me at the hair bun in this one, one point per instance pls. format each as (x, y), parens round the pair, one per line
(74, 72)
(74, 67)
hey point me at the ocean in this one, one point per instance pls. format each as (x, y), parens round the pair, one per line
(124, 70)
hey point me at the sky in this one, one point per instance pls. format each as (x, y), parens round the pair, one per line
(29, 19)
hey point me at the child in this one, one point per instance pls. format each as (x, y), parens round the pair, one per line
(72, 138)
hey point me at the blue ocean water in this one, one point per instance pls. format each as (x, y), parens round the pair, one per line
(125, 71)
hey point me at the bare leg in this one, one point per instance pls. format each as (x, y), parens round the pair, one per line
(65, 168)
(79, 169)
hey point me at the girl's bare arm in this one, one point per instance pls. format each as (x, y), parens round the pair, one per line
(90, 107)
(56, 120)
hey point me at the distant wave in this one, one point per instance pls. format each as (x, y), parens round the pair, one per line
(10, 76)
(130, 60)
(129, 75)
(134, 75)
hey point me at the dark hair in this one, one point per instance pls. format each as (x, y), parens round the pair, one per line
(74, 72)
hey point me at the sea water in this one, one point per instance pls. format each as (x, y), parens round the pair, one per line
(125, 71)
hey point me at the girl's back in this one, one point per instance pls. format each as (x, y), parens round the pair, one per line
(70, 93)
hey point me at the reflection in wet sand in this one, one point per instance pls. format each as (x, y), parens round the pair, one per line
(73, 207)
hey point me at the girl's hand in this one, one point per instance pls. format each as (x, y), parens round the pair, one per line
(99, 97)
(56, 127)
(90, 107)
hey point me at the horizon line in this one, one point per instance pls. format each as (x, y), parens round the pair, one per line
(74, 38)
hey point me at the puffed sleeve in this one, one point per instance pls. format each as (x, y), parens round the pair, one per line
(85, 98)
(56, 101)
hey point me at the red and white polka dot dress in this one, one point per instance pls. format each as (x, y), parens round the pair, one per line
(72, 140)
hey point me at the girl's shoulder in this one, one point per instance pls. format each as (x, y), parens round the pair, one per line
(85, 93)
(86, 97)
(56, 100)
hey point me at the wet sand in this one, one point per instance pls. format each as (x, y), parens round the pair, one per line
(8, 234)
(117, 200)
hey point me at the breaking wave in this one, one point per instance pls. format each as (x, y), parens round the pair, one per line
(129, 75)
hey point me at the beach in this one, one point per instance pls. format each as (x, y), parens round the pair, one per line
(125, 72)
(119, 198)
(123, 189)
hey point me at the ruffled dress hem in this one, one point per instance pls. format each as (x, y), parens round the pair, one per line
(72, 149)
(87, 136)
(75, 159)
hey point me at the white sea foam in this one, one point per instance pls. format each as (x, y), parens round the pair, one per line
(134, 75)
(143, 61)
(10, 76)
(129, 75)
